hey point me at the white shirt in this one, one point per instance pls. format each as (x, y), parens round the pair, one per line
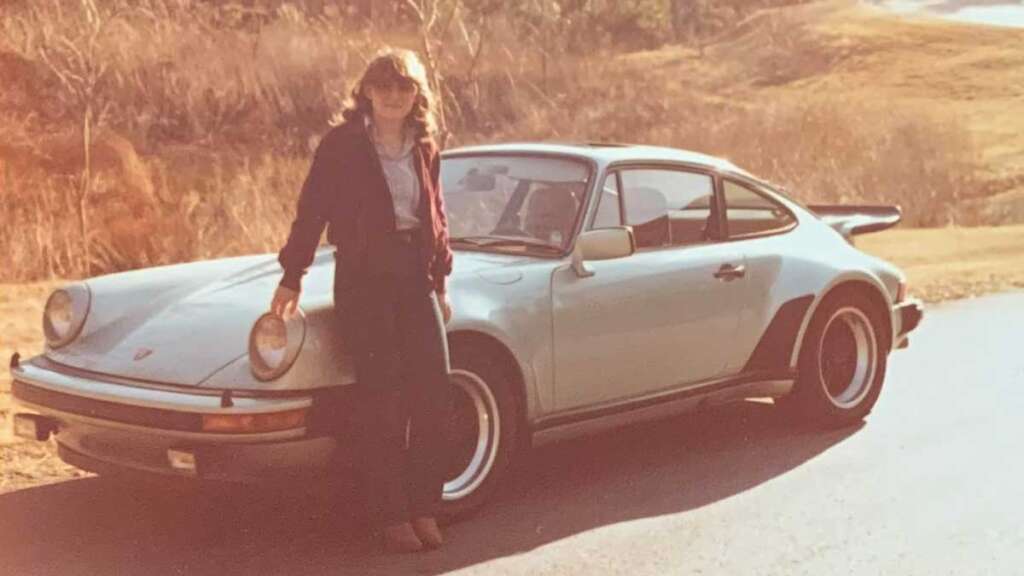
(404, 185)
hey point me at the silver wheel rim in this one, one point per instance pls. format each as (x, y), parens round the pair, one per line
(488, 425)
(847, 357)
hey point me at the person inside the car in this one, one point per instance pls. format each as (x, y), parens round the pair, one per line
(550, 214)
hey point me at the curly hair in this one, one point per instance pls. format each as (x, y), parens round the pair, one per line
(392, 64)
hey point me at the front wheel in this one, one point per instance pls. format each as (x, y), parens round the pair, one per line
(483, 429)
(842, 363)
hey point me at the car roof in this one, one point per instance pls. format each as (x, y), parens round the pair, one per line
(605, 153)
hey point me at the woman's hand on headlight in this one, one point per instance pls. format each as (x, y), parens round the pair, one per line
(285, 302)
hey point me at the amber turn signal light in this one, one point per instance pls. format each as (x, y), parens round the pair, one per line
(242, 423)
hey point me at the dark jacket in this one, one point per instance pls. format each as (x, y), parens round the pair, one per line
(346, 192)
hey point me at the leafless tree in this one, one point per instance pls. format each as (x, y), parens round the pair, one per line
(434, 19)
(72, 53)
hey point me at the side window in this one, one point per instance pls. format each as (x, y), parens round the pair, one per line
(668, 207)
(608, 212)
(748, 212)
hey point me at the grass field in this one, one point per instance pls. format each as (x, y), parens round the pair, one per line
(208, 128)
(949, 263)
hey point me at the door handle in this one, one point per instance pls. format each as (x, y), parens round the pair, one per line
(729, 272)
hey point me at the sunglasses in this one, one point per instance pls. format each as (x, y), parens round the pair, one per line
(399, 85)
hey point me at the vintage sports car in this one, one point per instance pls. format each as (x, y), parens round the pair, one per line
(594, 285)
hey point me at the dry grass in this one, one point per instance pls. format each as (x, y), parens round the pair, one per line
(21, 312)
(832, 149)
(898, 97)
(21, 309)
(948, 263)
(974, 72)
(223, 205)
(205, 120)
(27, 464)
(209, 118)
(24, 464)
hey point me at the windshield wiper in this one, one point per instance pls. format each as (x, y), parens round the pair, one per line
(499, 241)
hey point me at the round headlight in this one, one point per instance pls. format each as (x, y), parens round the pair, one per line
(274, 343)
(64, 314)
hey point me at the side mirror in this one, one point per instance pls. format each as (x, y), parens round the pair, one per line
(603, 244)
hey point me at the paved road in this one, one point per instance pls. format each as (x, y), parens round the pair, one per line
(932, 484)
(1007, 13)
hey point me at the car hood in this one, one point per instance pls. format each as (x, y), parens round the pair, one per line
(181, 324)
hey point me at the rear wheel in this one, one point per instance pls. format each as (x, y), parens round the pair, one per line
(484, 429)
(842, 362)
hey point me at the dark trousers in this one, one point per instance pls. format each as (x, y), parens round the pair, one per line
(402, 415)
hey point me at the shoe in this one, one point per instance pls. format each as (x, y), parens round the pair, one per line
(428, 532)
(401, 538)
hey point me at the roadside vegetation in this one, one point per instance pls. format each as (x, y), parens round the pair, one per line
(145, 133)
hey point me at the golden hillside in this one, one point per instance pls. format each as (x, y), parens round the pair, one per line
(957, 76)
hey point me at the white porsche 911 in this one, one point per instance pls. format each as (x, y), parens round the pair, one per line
(593, 286)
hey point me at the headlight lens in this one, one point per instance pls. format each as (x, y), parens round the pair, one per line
(65, 313)
(274, 343)
(270, 341)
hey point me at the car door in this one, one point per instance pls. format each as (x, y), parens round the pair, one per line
(661, 318)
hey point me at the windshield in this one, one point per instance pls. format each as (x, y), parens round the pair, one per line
(517, 203)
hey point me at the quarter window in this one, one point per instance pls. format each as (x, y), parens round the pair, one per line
(748, 212)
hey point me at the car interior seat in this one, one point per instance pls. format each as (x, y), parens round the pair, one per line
(647, 213)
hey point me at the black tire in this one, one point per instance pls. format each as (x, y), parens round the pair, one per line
(474, 366)
(834, 389)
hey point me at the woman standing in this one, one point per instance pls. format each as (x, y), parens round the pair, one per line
(374, 184)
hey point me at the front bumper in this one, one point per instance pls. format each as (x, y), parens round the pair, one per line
(104, 426)
(906, 316)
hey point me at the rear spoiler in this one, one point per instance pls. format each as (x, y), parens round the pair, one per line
(850, 220)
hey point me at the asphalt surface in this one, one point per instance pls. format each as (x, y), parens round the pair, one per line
(932, 483)
(1008, 13)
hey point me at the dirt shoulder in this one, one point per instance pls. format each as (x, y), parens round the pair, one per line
(24, 464)
(941, 264)
(951, 263)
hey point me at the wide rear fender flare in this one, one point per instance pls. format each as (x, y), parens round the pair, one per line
(852, 280)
